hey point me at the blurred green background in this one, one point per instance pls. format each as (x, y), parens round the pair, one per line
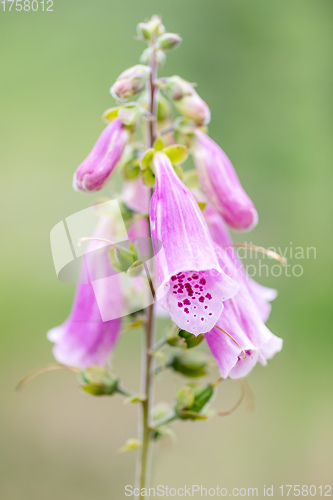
(265, 69)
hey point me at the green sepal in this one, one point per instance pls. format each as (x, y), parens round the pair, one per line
(131, 444)
(132, 170)
(184, 399)
(176, 153)
(147, 159)
(110, 114)
(202, 205)
(191, 179)
(190, 339)
(135, 269)
(148, 177)
(176, 341)
(202, 395)
(159, 145)
(189, 365)
(121, 259)
(96, 381)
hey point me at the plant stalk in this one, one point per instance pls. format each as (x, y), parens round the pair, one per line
(144, 455)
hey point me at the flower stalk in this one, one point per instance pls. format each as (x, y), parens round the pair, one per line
(144, 431)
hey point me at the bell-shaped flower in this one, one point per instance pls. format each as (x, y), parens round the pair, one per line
(193, 285)
(261, 295)
(94, 171)
(245, 339)
(221, 184)
(84, 339)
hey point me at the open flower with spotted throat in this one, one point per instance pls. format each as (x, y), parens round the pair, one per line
(193, 285)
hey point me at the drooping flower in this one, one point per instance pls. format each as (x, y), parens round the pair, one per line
(84, 339)
(193, 285)
(221, 184)
(94, 171)
(243, 316)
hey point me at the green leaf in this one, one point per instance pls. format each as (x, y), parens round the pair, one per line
(177, 153)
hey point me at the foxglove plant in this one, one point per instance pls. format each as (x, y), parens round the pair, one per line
(193, 276)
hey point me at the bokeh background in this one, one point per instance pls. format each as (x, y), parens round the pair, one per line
(265, 69)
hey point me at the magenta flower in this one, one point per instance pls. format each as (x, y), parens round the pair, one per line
(94, 171)
(84, 339)
(243, 316)
(221, 185)
(193, 286)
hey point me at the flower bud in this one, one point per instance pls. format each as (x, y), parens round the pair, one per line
(97, 382)
(130, 82)
(190, 339)
(194, 108)
(169, 41)
(153, 27)
(186, 100)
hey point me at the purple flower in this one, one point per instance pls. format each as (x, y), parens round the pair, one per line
(193, 286)
(221, 185)
(84, 339)
(93, 172)
(243, 316)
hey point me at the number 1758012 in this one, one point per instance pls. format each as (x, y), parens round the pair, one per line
(27, 5)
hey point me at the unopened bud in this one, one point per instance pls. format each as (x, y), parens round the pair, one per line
(186, 99)
(151, 28)
(190, 339)
(194, 108)
(184, 399)
(164, 111)
(130, 82)
(169, 41)
(98, 382)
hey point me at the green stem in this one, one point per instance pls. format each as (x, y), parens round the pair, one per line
(143, 462)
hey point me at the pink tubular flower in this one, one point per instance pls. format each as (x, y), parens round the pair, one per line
(192, 284)
(84, 339)
(93, 172)
(243, 316)
(221, 185)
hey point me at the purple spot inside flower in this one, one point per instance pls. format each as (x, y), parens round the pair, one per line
(202, 319)
(189, 279)
(206, 307)
(195, 276)
(173, 278)
(202, 281)
(201, 299)
(186, 310)
(187, 302)
(208, 295)
(210, 314)
(180, 304)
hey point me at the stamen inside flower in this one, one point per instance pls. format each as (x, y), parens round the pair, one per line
(234, 340)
